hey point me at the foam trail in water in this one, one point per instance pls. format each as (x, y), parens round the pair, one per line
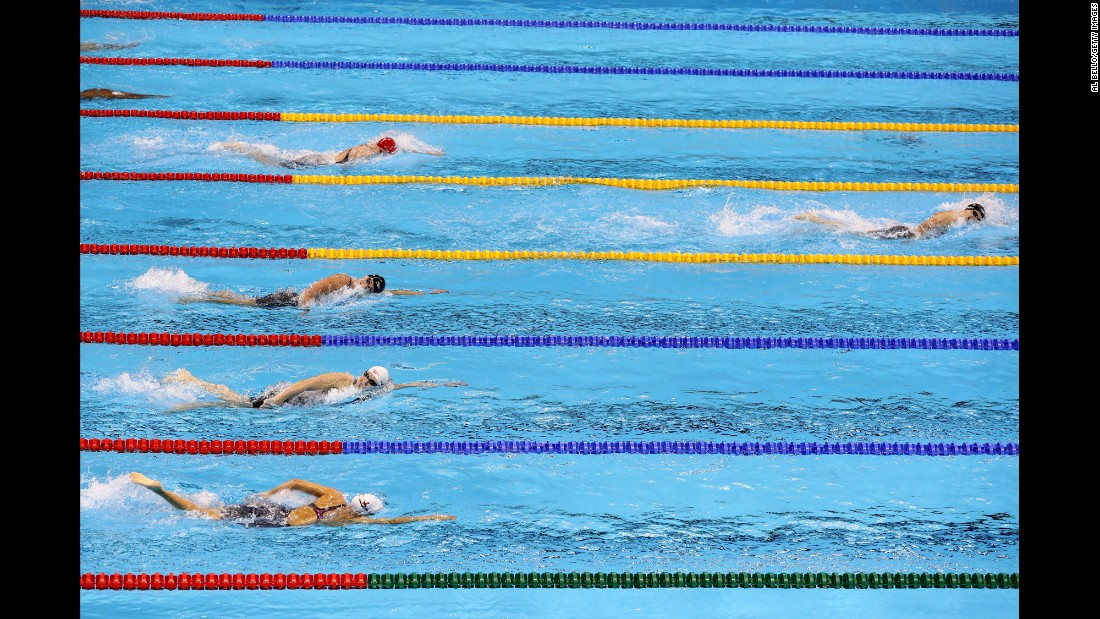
(172, 281)
(732, 223)
(621, 226)
(143, 384)
(120, 491)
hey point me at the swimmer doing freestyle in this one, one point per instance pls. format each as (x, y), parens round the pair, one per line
(304, 392)
(933, 226)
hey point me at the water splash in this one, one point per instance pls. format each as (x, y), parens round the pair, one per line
(169, 281)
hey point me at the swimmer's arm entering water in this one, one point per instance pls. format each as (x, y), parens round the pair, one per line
(190, 406)
(417, 292)
(428, 385)
(400, 519)
(817, 219)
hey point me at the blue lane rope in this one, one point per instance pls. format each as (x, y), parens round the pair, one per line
(662, 341)
(682, 447)
(519, 68)
(553, 23)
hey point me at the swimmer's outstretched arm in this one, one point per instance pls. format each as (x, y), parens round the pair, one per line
(438, 152)
(107, 93)
(817, 219)
(91, 47)
(417, 292)
(190, 406)
(428, 385)
(400, 519)
(308, 487)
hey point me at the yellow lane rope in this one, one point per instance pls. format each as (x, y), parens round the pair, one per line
(574, 121)
(653, 184)
(330, 253)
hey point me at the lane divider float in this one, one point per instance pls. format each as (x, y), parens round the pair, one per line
(556, 121)
(552, 69)
(547, 23)
(330, 253)
(156, 581)
(490, 181)
(571, 341)
(466, 447)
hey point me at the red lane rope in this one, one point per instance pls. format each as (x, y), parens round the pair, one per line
(223, 581)
(187, 62)
(199, 339)
(181, 446)
(184, 114)
(186, 176)
(172, 15)
(270, 253)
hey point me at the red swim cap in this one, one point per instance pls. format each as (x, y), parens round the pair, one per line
(388, 145)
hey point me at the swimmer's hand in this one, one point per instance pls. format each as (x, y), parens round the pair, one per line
(438, 291)
(456, 383)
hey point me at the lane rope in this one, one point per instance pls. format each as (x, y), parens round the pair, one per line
(526, 341)
(467, 447)
(542, 181)
(564, 121)
(548, 23)
(330, 253)
(142, 581)
(555, 69)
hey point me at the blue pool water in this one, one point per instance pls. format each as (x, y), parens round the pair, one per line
(560, 512)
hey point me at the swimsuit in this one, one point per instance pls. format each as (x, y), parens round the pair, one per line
(306, 398)
(257, 514)
(307, 161)
(896, 232)
(281, 298)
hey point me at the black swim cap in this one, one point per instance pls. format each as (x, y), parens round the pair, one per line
(978, 209)
(379, 283)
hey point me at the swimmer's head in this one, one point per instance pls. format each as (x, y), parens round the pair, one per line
(977, 211)
(366, 504)
(373, 283)
(377, 376)
(388, 144)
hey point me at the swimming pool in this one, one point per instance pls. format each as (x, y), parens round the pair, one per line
(555, 509)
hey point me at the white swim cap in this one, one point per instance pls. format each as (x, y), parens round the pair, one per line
(366, 504)
(379, 375)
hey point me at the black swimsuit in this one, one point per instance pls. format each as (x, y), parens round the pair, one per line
(257, 514)
(281, 298)
(896, 232)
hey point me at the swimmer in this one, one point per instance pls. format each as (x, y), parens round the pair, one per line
(302, 393)
(317, 291)
(95, 47)
(933, 226)
(107, 93)
(311, 159)
(331, 507)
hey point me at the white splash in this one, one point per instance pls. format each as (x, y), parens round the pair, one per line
(169, 281)
(759, 220)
